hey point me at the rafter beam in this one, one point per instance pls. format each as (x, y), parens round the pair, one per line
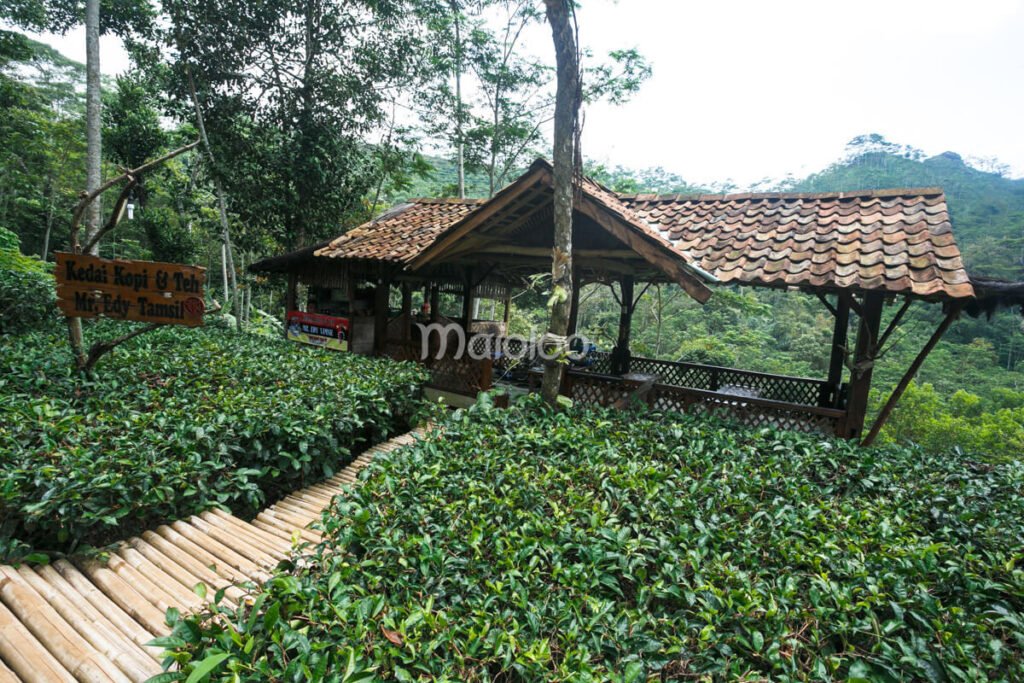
(891, 327)
(669, 263)
(500, 202)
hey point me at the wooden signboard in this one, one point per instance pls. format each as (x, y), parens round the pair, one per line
(144, 291)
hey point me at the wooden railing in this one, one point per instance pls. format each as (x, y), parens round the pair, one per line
(507, 353)
(799, 390)
(751, 398)
(465, 375)
(590, 388)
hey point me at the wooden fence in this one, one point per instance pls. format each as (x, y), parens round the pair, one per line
(750, 398)
(466, 375)
(804, 391)
(590, 388)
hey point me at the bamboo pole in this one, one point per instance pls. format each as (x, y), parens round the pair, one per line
(147, 613)
(138, 564)
(125, 621)
(128, 658)
(186, 571)
(26, 656)
(113, 620)
(257, 538)
(260, 557)
(225, 554)
(153, 545)
(69, 648)
(308, 508)
(269, 521)
(167, 540)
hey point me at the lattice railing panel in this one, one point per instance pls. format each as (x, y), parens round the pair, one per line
(799, 390)
(588, 388)
(400, 350)
(601, 362)
(462, 376)
(596, 390)
(506, 352)
(465, 375)
(751, 412)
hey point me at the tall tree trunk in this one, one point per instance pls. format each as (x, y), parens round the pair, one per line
(224, 269)
(93, 151)
(567, 104)
(460, 145)
(659, 313)
(222, 210)
(93, 128)
(50, 208)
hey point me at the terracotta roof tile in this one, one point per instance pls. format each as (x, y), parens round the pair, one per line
(401, 233)
(898, 241)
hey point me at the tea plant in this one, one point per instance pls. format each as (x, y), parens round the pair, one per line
(527, 545)
(176, 422)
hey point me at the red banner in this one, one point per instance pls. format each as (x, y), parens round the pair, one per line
(318, 330)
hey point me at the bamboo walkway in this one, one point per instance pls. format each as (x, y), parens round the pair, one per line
(86, 621)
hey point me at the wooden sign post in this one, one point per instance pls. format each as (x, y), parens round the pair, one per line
(143, 291)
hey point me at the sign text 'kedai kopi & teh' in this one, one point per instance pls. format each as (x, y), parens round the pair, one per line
(144, 291)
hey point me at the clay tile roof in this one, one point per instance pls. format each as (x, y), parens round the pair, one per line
(897, 241)
(403, 232)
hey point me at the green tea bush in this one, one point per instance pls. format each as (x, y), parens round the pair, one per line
(177, 421)
(525, 545)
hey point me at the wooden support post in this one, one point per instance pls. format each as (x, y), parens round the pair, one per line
(435, 302)
(467, 302)
(863, 363)
(290, 294)
(507, 315)
(486, 373)
(289, 298)
(381, 312)
(620, 354)
(840, 333)
(897, 393)
(406, 311)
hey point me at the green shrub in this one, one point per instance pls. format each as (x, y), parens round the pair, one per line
(963, 421)
(178, 420)
(27, 294)
(523, 545)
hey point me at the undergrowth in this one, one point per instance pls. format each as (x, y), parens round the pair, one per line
(527, 545)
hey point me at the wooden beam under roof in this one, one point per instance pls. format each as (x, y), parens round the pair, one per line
(669, 263)
(499, 202)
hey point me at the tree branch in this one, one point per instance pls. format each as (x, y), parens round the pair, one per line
(88, 198)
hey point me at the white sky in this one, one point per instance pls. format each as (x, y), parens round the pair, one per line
(747, 89)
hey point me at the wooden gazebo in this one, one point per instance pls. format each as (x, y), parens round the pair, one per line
(855, 251)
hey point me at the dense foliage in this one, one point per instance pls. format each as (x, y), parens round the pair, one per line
(177, 421)
(993, 424)
(589, 545)
(26, 287)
